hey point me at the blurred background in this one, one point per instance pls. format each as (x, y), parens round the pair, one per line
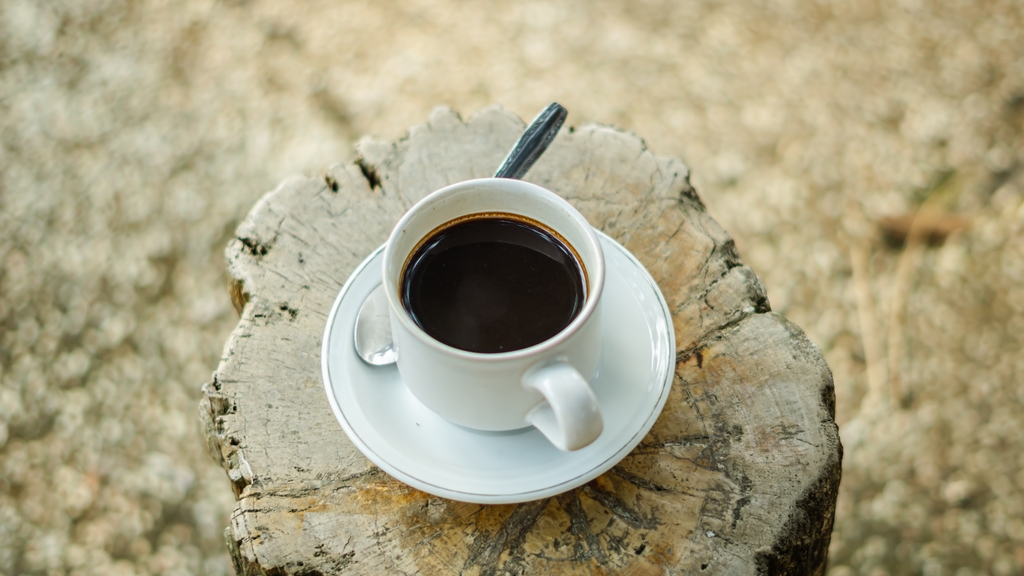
(865, 154)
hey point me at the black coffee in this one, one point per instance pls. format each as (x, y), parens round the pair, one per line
(493, 283)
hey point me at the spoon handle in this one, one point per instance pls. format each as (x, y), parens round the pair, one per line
(533, 142)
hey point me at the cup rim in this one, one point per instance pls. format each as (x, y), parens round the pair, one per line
(595, 272)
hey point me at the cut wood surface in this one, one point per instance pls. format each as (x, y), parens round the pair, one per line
(738, 476)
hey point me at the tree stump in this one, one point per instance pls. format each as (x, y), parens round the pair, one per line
(738, 476)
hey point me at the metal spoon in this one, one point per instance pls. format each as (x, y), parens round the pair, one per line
(373, 326)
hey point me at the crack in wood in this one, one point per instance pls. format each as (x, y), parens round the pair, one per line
(710, 338)
(646, 484)
(620, 509)
(369, 172)
(579, 526)
(292, 312)
(331, 182)
(487, 549)
(256, 248)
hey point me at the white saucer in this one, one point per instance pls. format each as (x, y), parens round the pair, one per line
(408, 441)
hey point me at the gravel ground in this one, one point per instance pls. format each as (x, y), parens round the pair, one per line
(135, 135)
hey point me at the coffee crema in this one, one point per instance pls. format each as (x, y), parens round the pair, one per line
(493, 283)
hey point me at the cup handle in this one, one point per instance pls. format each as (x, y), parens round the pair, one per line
(570, 418)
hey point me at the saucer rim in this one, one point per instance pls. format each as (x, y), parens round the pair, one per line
(504, 497)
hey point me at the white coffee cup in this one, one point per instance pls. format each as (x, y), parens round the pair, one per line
(545, 385)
